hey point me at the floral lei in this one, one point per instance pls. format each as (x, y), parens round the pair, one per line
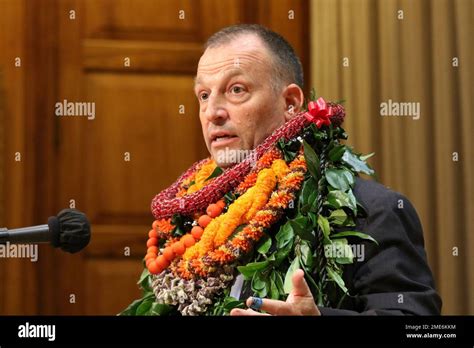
(281, 209)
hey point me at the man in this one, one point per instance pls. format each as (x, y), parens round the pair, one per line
(249, 82)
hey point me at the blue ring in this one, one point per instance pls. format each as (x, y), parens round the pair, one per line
(256, 303)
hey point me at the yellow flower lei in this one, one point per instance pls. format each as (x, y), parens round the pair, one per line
(242, 210)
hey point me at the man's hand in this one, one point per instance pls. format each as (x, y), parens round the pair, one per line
(300, 301)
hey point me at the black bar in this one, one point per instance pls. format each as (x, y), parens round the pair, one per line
(288, 331)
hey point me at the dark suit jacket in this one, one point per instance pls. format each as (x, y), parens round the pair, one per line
(394, 277)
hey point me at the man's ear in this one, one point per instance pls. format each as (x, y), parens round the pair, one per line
(294, 99)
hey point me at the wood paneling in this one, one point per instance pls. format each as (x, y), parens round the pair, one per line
(113, 280)
(144, 56)
(115, 241)
(176, 20)
(29, 89)
(139, 114)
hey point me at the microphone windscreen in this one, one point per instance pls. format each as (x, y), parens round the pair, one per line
(74, 230)
(53, 225)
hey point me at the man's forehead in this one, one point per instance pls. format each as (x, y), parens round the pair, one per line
(226, 71)
(243, 51)
(228, 61)
(224, 62)
(244, 44)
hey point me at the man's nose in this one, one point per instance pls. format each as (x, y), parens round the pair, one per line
(216, 111)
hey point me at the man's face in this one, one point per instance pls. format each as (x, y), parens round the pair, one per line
(238, 106)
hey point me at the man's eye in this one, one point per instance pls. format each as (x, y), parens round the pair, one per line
(237, 89)
(203, 96)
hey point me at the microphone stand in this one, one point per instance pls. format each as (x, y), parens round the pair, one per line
(41, 234)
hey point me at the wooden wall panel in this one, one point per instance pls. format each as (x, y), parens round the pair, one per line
(143, 56)
(137, 115)
(109, 286)
(173, 20)
(28, 90)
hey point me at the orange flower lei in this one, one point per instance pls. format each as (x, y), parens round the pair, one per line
(201, 176)
(197, 179)
(264, 193)
(290, 179)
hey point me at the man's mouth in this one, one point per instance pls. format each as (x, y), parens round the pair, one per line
(222, 139)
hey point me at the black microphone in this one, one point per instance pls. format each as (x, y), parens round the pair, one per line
(70, 231)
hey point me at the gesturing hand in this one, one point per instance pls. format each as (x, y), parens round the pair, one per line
(300, 301)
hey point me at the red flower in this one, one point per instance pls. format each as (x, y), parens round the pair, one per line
(319, 112)
(338, 114)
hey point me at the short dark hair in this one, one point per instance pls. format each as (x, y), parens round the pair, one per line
(287, 65)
